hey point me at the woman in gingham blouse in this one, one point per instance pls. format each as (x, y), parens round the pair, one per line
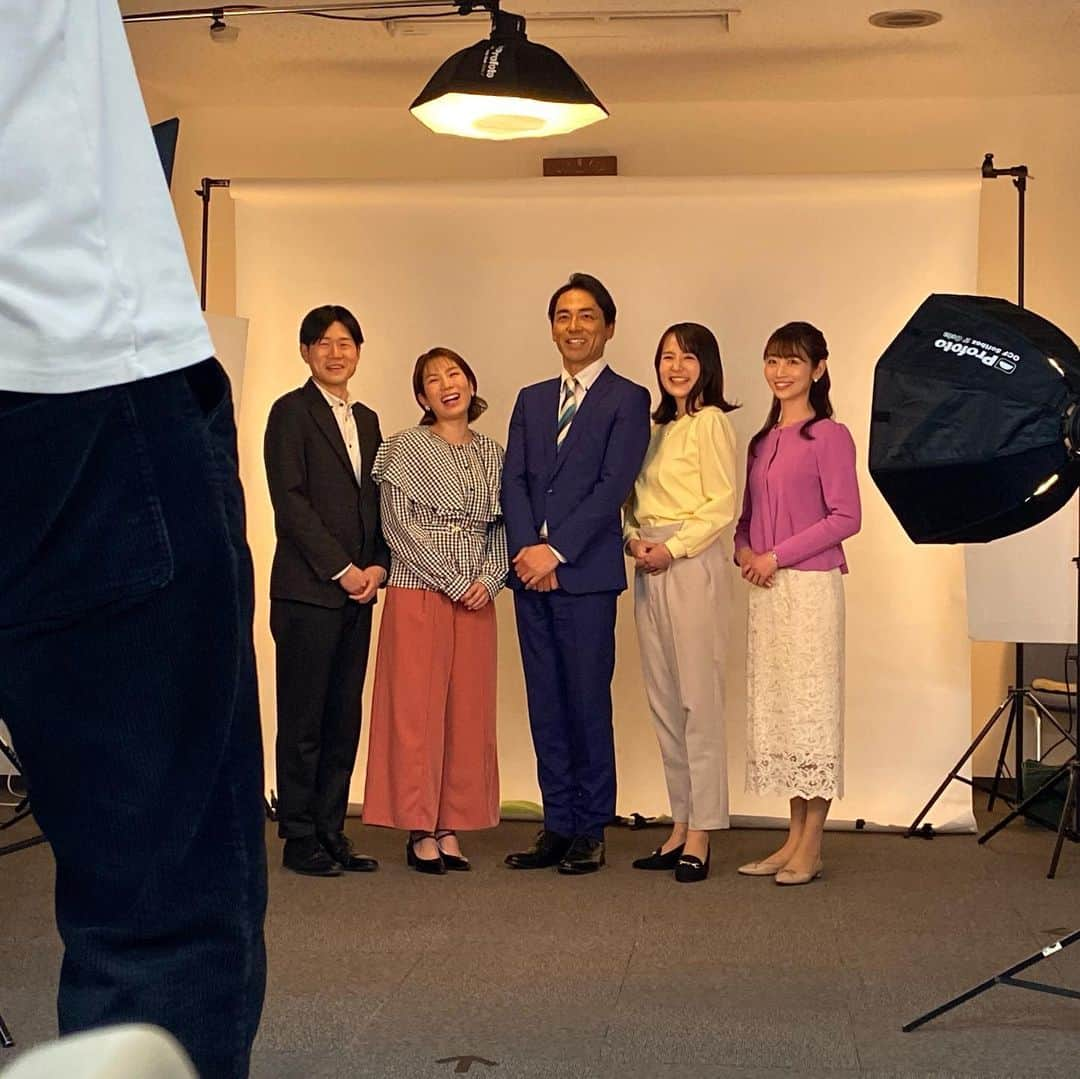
(432, 761)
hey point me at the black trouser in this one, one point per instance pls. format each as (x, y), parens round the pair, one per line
(127, 679)
(322, 656)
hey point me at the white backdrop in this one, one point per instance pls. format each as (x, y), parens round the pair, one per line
(1009, 602)
(472, 266)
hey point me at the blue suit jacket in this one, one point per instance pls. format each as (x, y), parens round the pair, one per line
(579, 490)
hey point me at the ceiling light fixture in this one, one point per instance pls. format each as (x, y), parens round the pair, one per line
(221, 31)
(504, 87)
(905, 19)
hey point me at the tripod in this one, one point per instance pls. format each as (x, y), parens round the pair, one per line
(1013, 704)
(22, 811)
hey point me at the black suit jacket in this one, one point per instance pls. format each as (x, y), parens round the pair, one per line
(324, 519)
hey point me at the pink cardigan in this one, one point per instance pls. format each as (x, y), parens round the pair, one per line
(802, 497)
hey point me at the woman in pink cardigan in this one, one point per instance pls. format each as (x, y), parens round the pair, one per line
(801, 501)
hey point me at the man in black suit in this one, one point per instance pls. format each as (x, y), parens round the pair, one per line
(330, 561)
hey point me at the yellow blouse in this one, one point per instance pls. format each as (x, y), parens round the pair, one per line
(688, 479)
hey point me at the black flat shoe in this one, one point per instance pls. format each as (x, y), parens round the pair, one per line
(659, 859)
(584, 856)
(340, 848)
(548, 850)
(691, 869)
(456, 863)
(307, 857)
(435, 866)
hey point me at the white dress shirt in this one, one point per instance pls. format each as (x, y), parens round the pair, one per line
(585, 378)
(346, 421)
(95, 287)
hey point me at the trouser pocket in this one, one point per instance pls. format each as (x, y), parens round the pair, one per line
(82, 521)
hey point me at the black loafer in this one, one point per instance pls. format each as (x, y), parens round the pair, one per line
(690, 869)
(340, 848)
(548, 850)
(659, 859)
(306, 856)
(584, 856)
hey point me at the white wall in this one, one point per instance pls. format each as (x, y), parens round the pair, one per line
(694, 139)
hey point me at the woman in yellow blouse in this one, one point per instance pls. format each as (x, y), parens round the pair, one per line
(683, 499)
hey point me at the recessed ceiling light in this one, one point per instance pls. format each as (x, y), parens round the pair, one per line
(905, 19)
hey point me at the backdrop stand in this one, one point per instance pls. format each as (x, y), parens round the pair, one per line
(204, 191)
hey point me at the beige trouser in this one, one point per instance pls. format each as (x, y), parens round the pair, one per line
(682, 617)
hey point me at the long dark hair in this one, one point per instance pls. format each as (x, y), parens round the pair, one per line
(709, 389)
(477, 406)
(799, 339)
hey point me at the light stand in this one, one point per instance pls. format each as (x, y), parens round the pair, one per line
(1070, 768)
(1019, 695)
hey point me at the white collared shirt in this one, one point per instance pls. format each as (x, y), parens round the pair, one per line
(585, 378)
(95, 286)
(346, 421)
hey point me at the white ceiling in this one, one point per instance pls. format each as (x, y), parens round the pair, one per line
(790, 49)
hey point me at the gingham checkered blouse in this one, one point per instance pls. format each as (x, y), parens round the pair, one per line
(440, 512)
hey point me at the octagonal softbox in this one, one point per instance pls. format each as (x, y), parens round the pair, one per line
(972, 405)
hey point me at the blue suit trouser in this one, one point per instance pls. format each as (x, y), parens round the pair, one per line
(568, 652)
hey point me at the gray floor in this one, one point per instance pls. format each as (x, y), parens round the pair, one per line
(629, 974)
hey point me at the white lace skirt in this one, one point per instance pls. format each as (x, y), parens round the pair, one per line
(795, 686)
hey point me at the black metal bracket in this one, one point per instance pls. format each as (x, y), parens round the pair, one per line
(204, 191)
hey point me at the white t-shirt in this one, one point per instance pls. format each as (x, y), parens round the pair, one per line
(95, 287)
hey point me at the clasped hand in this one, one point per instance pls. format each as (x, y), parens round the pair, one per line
(758, 569)
(361, 585)
(535, 567)
(476, 596)
(649, 557)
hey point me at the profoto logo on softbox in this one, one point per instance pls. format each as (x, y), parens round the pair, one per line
(988, 355)
(490, 63)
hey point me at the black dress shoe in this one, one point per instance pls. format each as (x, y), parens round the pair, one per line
(548, 850)
(456, 863)
(584, 856)
(306, 855)
(435, 866)
(340, 848)
(691, 869)
(660, 859)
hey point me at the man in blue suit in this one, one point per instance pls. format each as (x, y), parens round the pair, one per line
(575, 446)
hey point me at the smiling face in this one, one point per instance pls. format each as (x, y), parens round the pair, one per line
(579, 330)
(790, 377)
(446, 390)
(679, 371)
(333, 358)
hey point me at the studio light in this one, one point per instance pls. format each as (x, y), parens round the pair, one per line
(975, 425)
(506, 87)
